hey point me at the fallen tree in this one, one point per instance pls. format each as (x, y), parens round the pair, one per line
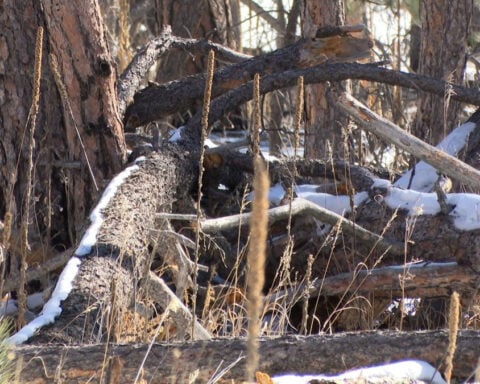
(204, 360)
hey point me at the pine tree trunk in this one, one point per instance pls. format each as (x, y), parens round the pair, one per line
(445, 29)
(79, 138)
(322, 131)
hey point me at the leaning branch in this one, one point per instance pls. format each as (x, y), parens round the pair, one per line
(156, 101)
(388, 131)
(130, 80)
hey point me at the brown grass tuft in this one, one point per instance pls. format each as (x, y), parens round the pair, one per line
(256, 263)
(206, 109)
(22, 297)
(453, 318)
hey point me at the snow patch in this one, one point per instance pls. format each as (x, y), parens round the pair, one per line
(176, 134)
(408, 369)
(465, 212)
(52, 307)
(425, 175)
(340, 204)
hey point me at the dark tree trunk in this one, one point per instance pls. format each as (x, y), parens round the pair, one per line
(73, 125)
(322, 131)
(445, 29)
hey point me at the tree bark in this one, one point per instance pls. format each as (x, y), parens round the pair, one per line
(445, 29)
(93, 128)
(79, 140)
(323, 133)
(177, 363)
(108, 281)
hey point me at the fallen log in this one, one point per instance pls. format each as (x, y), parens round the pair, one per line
(179, 363)
(182, 94)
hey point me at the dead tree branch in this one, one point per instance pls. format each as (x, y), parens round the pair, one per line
(318, 74)
(412, 280)
(130, 80)
(156, 101)
(388, 131)
(305, 207)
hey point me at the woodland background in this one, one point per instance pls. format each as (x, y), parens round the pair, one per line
(116, 81)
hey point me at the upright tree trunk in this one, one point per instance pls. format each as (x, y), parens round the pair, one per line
(321, 121)
(79, 137)
(214, 20)
(211, 19)
(445, 28)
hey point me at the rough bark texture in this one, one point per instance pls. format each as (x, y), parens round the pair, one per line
(110, 275)
(211, 19)
(63, 186)
(93, 127)
(321, 120)
(19, 21)
(445, 29)
(303, 355)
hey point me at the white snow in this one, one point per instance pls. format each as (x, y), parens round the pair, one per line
(466, 212)
(8, 307)
(417, 265)
(276, 194)
(426, 175)
(408, 369)
(210, 144)
(35, 300)
(52, 308)
(339, 204)
(176, 134)
(90, 237)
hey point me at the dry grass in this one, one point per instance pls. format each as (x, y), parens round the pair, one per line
(453, 319)
(7, 367)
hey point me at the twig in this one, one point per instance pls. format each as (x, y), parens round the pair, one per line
(67, 110)
(265, 15)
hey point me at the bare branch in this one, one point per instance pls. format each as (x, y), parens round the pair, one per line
(327, 72)
(130, 80)
(388, 131)
(159, 292)
(305, 207)
(265, 15)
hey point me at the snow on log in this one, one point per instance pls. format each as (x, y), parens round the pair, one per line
(52, 307)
